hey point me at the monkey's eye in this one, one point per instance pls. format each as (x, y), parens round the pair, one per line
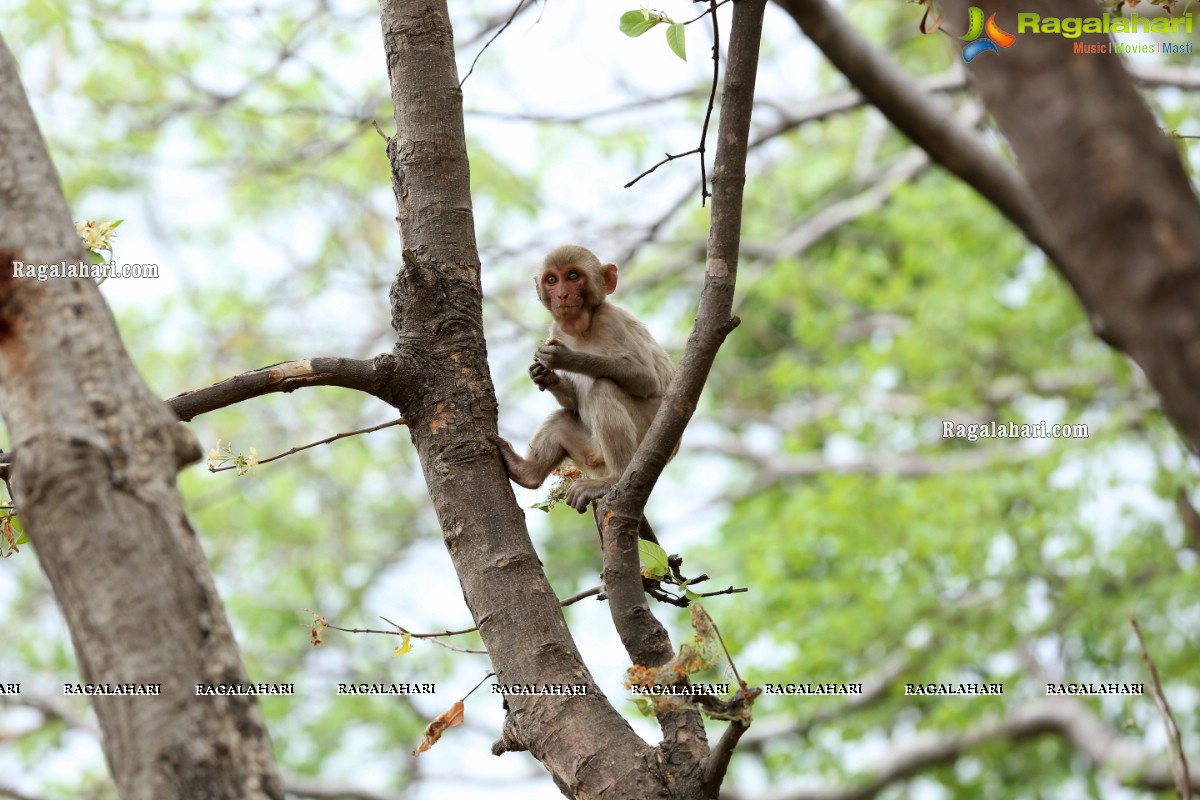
(572, 275)
(551, 279)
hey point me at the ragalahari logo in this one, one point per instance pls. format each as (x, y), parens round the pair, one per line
(992, 36)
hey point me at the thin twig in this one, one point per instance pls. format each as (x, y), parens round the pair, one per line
(488, 43)
(400, 630)
(432, 637)
(728, 657)
(706, 13)
(490, 673)
(666, 160)
(712, 101)
(1179, 764)
(334, 438)
(729, 590)
(586, 593)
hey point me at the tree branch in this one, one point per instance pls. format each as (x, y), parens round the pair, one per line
(1065, 717)
(1082, 133)
(952, 80)
(831, 217)
(924, 119)
(372, 377)
(621, 511)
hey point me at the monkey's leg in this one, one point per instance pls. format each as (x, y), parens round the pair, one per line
(607, 413)
(610, 416)
(558, 434)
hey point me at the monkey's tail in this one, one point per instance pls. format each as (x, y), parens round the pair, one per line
(645, 531)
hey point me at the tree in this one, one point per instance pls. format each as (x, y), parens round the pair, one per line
(445, 397)
(81, 417)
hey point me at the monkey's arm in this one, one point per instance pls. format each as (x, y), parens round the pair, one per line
(564, 391)
(635, 376)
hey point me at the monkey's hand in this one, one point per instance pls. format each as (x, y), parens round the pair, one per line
(583, 492)
(555, 355)
(543, 376)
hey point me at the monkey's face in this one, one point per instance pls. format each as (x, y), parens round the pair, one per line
(567, 291)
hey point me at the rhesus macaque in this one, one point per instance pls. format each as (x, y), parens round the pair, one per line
(605, 370)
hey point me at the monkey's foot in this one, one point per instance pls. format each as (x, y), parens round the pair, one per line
(518, 469)
(583, 492)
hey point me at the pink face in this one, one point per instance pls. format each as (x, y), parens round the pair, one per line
(566, 287)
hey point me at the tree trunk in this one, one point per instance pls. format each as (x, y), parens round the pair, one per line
(444, 389)
(94, 483)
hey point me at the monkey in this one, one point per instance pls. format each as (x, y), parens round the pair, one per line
(603, 367)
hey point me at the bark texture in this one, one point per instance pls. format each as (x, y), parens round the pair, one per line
(449, 400)
(95, 485)
(1113, 188)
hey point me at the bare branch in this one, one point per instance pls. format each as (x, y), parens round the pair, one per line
(521, 5)
(712, 100)
(1081, 130)
(318, 443)
(952, 80)
(620, 513)
(924, 119)
(488, 25)
(1065, 717)
(371, 377)
(832, 217)
(1179, 762)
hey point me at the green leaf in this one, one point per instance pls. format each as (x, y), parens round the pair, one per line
(653, 557)
(635, 23)
(676, 40)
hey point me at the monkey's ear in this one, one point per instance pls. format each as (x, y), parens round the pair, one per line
(610, 278)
